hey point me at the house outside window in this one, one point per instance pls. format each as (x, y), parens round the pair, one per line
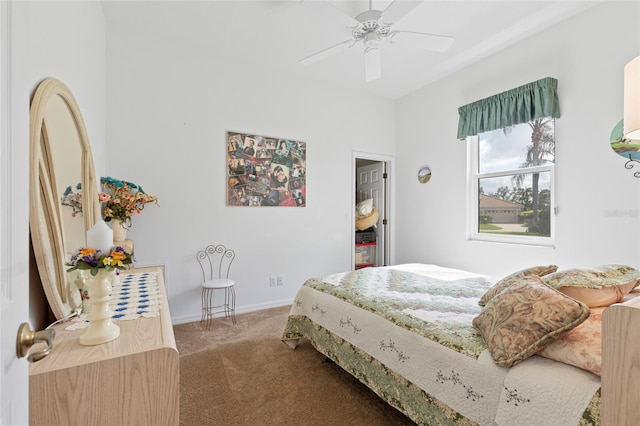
(511, 184)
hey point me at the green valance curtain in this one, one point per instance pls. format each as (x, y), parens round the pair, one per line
(520, 105)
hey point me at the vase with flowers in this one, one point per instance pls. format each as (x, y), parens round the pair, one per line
(121, 201)
(73, 199)
(102, 268)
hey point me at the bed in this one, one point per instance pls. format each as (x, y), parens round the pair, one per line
(407, 332)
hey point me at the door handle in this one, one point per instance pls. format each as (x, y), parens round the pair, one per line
(27, 338)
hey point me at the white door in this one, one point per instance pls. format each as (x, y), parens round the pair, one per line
(371, 184)
(14, 245)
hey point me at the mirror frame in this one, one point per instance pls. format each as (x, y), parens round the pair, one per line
(45, 207)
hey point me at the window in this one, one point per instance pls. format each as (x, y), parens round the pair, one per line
(511, 185)
(512, 159)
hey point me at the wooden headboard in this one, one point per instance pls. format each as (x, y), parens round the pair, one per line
(621, 364)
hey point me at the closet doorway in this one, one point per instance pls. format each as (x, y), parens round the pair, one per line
(372, 180)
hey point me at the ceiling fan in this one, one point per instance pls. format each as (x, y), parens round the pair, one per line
(373, 27)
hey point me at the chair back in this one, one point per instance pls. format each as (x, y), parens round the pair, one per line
(215, 261)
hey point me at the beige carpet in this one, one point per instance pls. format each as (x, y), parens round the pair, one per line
(244, 375)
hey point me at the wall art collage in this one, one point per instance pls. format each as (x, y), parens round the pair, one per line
(265, 171)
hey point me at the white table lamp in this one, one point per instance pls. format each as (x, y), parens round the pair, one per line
(632, 99)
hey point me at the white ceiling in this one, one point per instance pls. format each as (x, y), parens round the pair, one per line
(276, 34)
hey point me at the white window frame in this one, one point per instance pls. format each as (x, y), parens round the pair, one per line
(474, 176)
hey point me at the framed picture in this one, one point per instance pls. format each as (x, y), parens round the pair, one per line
(265, 171)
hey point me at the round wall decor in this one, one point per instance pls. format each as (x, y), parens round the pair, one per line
(424, 174)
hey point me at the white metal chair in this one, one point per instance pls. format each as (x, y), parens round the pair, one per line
(215, 262)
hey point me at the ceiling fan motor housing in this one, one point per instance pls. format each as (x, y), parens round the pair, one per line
(370, 23)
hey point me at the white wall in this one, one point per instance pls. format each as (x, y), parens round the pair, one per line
(66, 41)
(168, 107)
(586, 54)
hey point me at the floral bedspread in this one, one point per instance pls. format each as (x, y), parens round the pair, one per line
(434, 302)
(405, 331)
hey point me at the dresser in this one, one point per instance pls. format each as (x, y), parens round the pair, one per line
(132, 380)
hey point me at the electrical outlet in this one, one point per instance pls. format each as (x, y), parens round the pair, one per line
(280, 280)
(272, 281)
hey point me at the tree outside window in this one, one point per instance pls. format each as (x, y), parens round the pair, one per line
(512, 179)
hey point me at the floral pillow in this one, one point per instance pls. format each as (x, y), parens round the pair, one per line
(596, 287)
(522, 318)
(510, 279)
(581, 346)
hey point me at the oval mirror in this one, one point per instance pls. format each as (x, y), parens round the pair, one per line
(63, 190)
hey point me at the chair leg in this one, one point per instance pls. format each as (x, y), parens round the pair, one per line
(209, 309)
(207, 300)
(232, 292)
(204, 305)
(226, 303)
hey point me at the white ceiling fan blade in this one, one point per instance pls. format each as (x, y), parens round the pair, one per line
(329, 51)
(397, 10)
(372, 66)
(325, 10)
(434, 42)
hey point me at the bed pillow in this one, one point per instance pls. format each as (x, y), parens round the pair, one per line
(522, 318)
(510, 279)
(596, 287)
(581, 346)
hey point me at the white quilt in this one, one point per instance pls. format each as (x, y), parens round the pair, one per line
(537, 391)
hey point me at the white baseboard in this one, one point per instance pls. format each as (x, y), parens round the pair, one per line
(239, 310)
